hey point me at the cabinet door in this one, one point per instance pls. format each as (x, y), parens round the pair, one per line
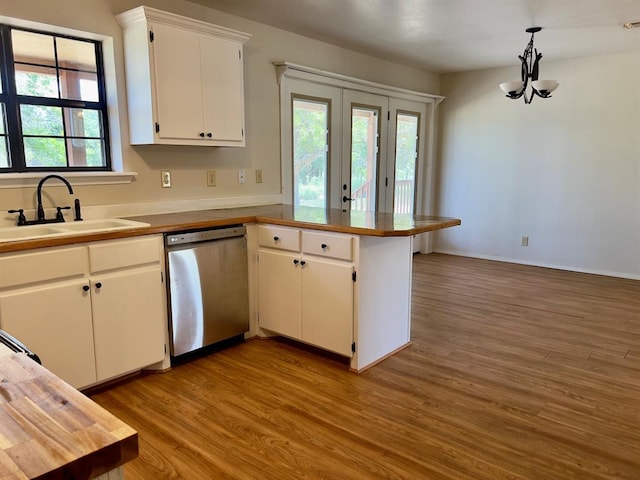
(54, 321)
(327, 305)
(279, 293)
(178, 82)
(222, 89)
(129, 321)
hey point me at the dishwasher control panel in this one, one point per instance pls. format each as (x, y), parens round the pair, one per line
(205, 235)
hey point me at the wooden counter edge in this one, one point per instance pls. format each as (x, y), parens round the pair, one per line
(121, 450)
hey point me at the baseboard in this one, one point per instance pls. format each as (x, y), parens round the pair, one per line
(497, 258)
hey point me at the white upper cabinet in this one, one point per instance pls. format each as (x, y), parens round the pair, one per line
(185, 81)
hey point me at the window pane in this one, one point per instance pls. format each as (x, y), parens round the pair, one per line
(85, 153)
(44, 152)
(83, 123)
(36, 81)
(405, 170)
(35, 48)
(310, 157)
(76, 54)
(41, 120)
(4, 154)
(79, 85)
(4, 151)
(3, 120)
(364, 154)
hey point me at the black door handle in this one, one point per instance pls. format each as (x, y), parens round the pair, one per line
(209, 134)
(323, 246)
(275, 239)
(86, 288)
(202, 134)
(346, 199)
(98, 284)
(303, 263)
(296, 261)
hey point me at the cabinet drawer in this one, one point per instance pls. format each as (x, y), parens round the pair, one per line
(38, 266)
(281, 238)
(124, 253)
(328, 245)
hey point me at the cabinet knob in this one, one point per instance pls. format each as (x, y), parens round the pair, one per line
(85, 288)
(202, 134)
(209, 134)
(296, 261)
(303, 263)
(275, 239)
(323, 246)
(98, 284)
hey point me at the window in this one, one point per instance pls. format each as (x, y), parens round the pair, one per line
(53, 104)
(310, 151)
(407, 136)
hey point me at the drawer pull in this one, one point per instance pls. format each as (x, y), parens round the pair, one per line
(323, 246)
(275, 239)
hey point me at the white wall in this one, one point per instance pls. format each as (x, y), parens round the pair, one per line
(564, 171)
(188, 165)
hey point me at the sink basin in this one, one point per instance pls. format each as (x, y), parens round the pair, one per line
(25, 233)
(101, 225)
(30, 232)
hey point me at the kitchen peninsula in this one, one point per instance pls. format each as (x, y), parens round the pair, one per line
(335, 279)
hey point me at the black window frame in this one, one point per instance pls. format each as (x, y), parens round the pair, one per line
(12, 102)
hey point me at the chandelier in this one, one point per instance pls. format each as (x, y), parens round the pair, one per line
(529, 72)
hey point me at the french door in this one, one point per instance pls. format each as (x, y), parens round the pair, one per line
(352, 150)
(364, 150)
(406, 168)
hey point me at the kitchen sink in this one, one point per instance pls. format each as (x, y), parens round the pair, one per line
(25, 233)
(102, 224)
(32, 232)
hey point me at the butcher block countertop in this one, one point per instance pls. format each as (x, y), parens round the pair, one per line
(333, 220)
(50, 431)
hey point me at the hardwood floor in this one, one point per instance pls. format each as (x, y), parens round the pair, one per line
(515, 372)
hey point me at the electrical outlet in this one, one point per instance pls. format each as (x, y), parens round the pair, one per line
(211, 178)
(525, 241)
(165, 179)
(242, 177)
(258, 176)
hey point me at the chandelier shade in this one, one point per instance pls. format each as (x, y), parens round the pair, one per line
(529, 72)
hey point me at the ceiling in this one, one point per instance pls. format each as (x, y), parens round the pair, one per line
(453, 35)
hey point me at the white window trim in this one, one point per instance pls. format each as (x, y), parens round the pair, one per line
(117, 175)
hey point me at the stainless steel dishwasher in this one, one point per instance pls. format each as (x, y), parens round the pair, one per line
(207, 287)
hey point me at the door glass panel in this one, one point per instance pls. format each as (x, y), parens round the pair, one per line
(405, 165)
(364, 158)
(310, 152)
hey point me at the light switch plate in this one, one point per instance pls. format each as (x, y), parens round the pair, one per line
(165, 179)
(211, 178)
(242, 177)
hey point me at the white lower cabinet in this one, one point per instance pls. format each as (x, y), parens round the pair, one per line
(92, 311)
(304, 296)
(54, 321)
(280, 293)
(127, 321)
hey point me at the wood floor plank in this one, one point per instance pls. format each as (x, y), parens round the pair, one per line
(515, 372)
